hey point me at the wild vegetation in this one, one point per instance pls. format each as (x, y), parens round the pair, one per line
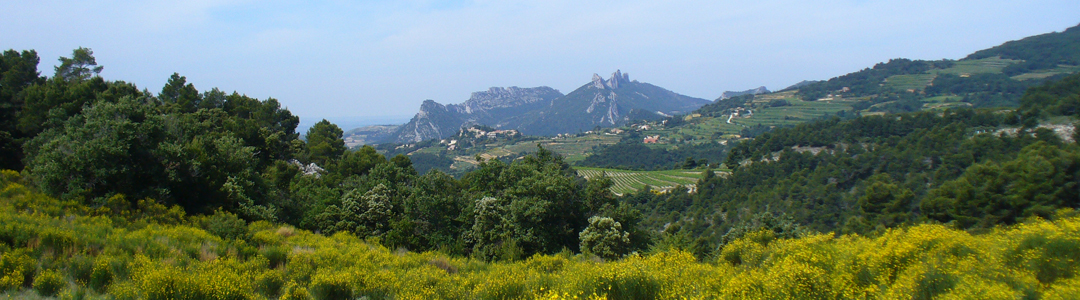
(68, 250)
(968, 168)
(126, 194)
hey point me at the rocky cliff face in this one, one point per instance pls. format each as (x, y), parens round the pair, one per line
(546, 111)
(499, 98)
(498, 107)
(433, 121)
(607, 103)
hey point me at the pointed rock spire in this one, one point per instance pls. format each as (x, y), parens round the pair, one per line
(597, 81)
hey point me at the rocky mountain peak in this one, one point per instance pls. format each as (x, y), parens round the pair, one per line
(430, 106)
(597, 81)
(499, 97)
(618, 78)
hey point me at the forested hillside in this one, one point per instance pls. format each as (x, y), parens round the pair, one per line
(1032, 51)
(987, 78)
(966, 168)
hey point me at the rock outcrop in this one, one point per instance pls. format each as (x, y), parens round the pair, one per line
(757, 91)
(607, 103)
(498, 107)
(546, 111)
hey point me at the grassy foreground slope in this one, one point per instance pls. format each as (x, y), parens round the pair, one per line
(52, 248)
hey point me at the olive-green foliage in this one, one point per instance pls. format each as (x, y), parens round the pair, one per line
(87, 139)
(329, 286)
(269, 283)
(534, 204)
(102, 274)
(276, 255)
(1034, 259)
(17, 268)
(779, 225)
(18, 70)
(974, 168)
(605, 238)
(226, 225)
(324, 142)
(294, 291)
(49, 283)
(1042, 178)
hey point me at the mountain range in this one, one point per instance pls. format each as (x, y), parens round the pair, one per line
(538, 111)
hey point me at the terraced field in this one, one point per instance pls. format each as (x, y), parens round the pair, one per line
(630, 181)
(985, 65)
(916, 82)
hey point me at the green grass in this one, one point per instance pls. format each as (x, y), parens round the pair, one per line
(630, 181)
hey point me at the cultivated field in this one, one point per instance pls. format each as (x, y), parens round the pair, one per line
(630, 181)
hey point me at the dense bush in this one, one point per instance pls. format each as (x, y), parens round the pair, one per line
(49, 283)
(1036, 259)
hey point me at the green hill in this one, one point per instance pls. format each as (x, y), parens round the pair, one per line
(1035, 53)
(969, 168)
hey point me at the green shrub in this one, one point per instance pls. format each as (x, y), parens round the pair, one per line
(325, 286)
(1050, 257)
(269, 283)
(226, 225)
(277, 255)
(635, 285)
(16, 269)
(56, 239)
(81, 267)
(73, 294)
(101, 275)
(293, 291)
(49, 283)
(124, 291)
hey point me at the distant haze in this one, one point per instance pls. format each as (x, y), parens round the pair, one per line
(335, 59)
(349, 123)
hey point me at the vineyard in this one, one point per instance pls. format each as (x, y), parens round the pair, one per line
(630, 181)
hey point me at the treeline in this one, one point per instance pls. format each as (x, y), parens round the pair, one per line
(864, 175)
(81, 138)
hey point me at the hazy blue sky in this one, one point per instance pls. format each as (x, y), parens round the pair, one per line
(368, 58)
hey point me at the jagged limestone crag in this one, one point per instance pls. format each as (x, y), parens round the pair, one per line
(608, 103)
(546, 111)
(498, 107)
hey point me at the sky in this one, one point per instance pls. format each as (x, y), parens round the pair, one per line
(378, 60)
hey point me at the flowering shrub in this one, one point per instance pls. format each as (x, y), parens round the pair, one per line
(1036, 259)
(48, 283)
